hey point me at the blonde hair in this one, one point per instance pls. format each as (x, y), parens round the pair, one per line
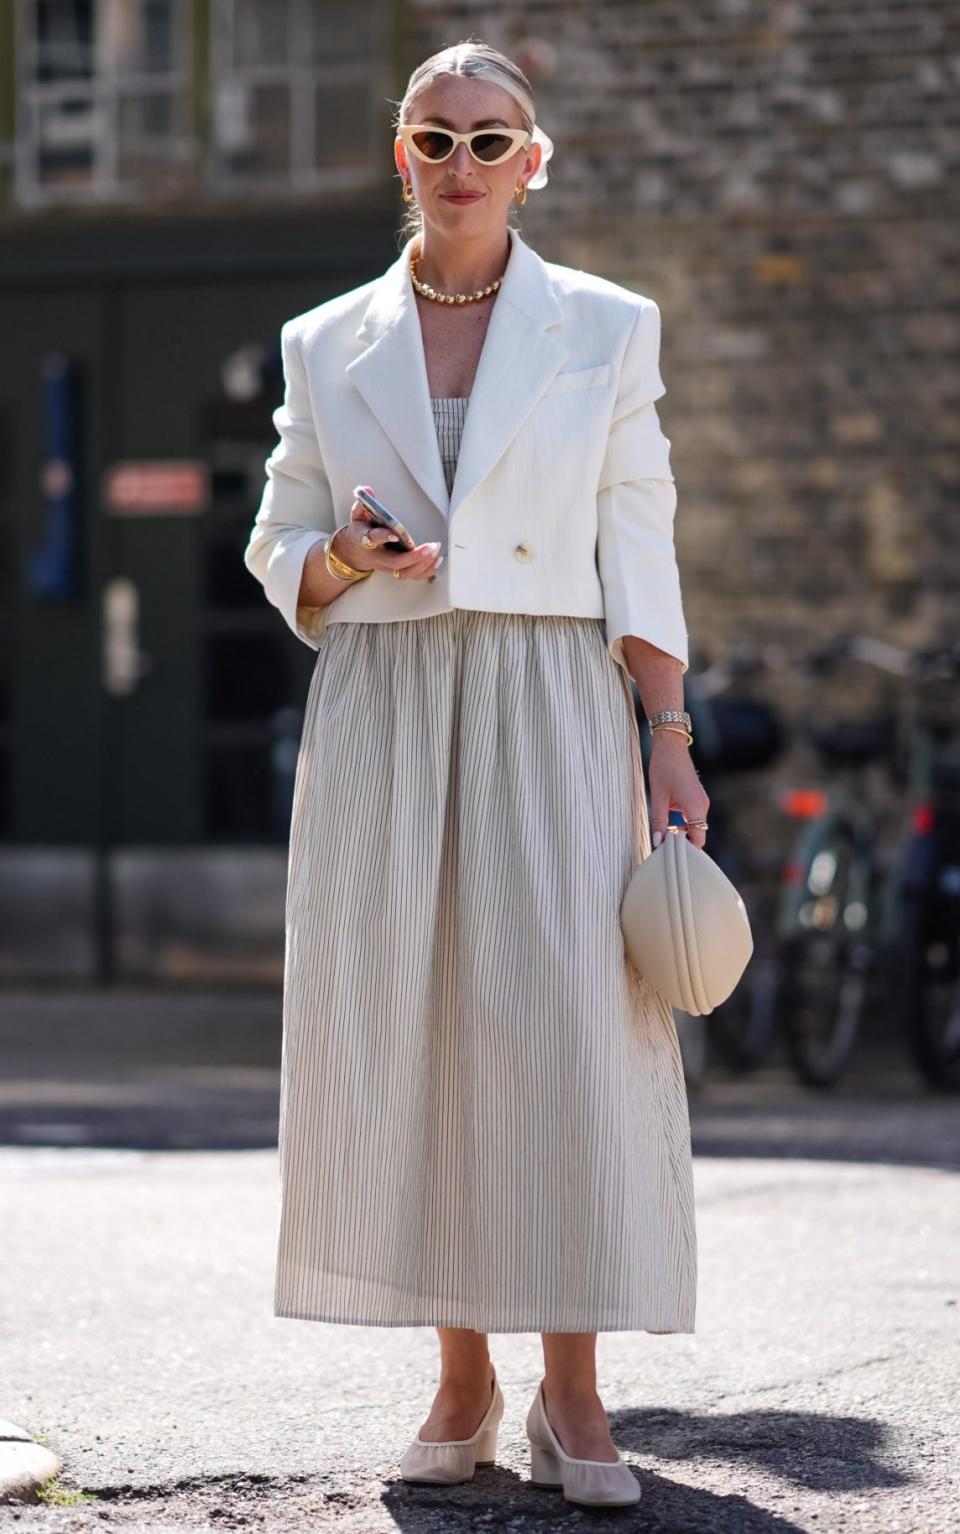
(476, 61)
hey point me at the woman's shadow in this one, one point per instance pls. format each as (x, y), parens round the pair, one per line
(805, 1449)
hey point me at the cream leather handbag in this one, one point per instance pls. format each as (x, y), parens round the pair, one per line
(685, 927)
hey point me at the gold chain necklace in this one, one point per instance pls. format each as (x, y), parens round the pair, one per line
(450, 298)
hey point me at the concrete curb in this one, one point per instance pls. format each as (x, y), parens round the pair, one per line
(25, 1465)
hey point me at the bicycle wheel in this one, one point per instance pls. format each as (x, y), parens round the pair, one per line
(825, 963)
(743, 1027)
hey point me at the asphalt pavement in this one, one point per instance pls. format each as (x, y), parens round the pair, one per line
(138, 1209)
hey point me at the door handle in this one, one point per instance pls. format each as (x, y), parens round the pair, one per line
(123, 663)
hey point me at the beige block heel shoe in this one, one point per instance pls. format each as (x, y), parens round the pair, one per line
(590, 1482)
(455, 1459)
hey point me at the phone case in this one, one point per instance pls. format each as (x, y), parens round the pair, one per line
(398, 544)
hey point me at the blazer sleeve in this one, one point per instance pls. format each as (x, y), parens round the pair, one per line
(296, 510)
(636, 503)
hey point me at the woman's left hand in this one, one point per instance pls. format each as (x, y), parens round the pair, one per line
(674, 785)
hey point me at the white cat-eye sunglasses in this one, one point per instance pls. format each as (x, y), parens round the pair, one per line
(488, 146)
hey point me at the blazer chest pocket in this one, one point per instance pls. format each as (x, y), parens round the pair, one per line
(580, 378)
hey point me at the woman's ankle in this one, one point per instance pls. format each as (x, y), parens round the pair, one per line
(465, 1379)
(571, 1391)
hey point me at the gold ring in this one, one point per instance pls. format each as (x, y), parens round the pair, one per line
(367, 541)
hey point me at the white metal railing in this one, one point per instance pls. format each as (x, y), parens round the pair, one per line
(114, 123)
(81, 134)
(320, 82)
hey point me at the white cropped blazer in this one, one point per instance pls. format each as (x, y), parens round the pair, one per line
(563, 499)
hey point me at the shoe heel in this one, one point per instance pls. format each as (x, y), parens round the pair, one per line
(487, 1446)
(544, 1467)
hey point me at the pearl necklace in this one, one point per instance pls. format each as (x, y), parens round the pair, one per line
(450, 298)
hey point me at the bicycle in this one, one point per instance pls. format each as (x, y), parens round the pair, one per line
(732, 736)
(858, 906)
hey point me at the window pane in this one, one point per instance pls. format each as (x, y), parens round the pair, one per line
(253, 128)
(78, 38)
(146, 120)
(154, 148)
(301, 90)
(345, 30)
(67, 133)
(141, 36)
(261, 32)
(345, 129)
(64, 33)
(101, 107)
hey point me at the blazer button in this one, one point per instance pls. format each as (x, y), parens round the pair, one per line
(523, 551)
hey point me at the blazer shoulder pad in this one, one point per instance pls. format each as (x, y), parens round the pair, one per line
(571, 280)
(332, 312)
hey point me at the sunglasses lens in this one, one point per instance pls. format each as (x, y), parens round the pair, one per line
(490, 146)
(433, 143)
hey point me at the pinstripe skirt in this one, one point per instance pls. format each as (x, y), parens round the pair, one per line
(483, 1114)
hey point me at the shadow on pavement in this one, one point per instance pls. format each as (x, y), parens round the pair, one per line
(823, 1453)
(151, 1070)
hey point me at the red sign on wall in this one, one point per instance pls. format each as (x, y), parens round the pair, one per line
(169, 486)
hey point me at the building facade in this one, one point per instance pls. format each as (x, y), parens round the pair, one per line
(177, 177)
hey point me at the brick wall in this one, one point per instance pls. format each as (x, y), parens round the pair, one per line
(782, 179)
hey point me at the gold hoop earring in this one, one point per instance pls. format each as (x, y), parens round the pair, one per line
(408, 192)
(520, 193)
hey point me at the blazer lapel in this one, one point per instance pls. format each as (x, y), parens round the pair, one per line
(391, 374)
(518, 361)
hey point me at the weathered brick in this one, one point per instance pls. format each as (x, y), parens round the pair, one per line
(778, 178)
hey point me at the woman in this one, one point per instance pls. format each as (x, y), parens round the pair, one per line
(483, 1116)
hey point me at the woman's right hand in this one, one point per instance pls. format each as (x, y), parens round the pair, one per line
(417, 564)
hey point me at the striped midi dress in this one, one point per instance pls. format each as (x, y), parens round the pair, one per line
(483, 1113)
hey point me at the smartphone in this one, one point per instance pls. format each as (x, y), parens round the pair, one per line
(404, 541)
